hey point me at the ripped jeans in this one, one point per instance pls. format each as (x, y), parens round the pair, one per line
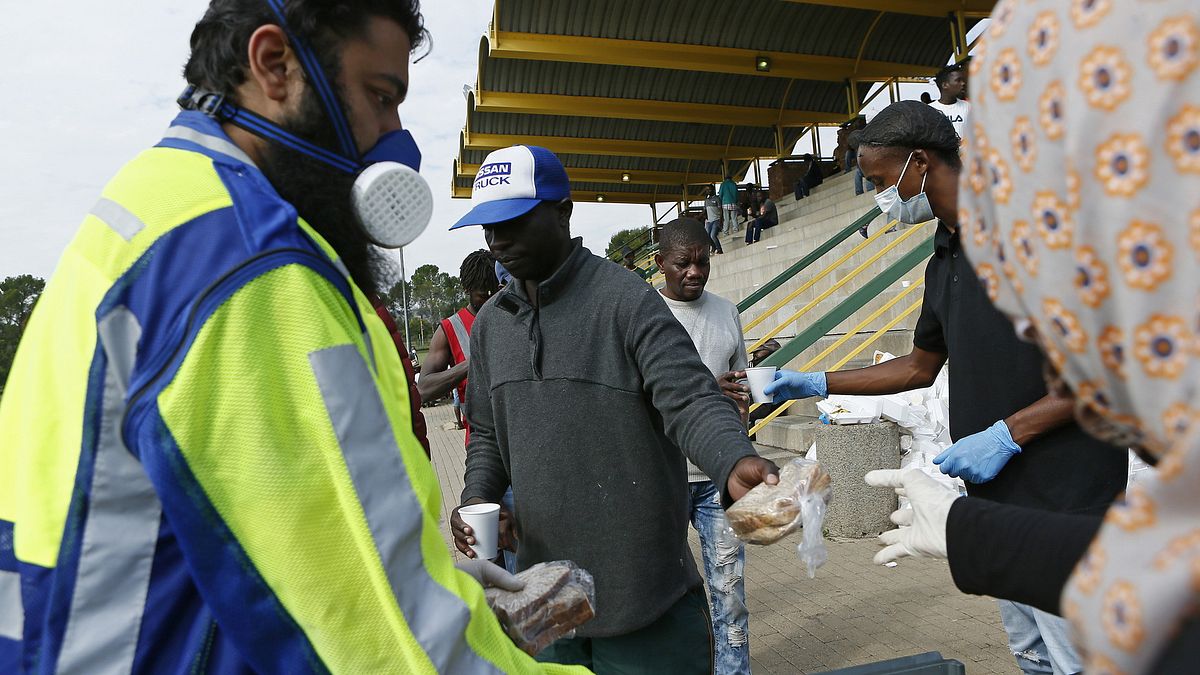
(1040, 641)
(724, 572)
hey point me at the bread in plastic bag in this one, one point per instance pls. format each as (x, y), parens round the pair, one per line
(558, 597)
(769, 513)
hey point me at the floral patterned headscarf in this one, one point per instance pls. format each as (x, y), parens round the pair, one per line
(1080, 207)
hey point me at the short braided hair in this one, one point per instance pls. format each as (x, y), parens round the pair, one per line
(478, 272)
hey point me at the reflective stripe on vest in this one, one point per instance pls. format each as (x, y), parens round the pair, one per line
(12, 612)
(207, 141)
(118, 218)
(121, 530)
(462, 335)
(437, 617)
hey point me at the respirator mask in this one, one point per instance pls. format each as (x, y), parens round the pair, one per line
(392, 201)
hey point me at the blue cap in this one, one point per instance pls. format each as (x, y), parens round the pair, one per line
(511, 181)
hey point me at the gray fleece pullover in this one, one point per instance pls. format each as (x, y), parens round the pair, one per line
(583, 404)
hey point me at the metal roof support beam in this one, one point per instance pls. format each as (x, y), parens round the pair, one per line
(592, 175)
(614, 147)
(673, 56)
(641, 109)
(961, 49)
(917, 7)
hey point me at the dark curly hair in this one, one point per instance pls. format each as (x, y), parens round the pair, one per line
(912, 125)
(943, 75)
(478, 272)
(219, 59)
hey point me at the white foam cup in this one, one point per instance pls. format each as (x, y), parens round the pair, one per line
(758, 379)
(484, 521)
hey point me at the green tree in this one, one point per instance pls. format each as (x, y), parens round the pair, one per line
(434, 295)
(634, 238)
(17, 297)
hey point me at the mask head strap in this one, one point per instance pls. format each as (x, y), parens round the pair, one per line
(218, 107)
(316, 76)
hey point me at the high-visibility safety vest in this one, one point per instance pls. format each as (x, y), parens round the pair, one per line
(457, 328)
(206, 455)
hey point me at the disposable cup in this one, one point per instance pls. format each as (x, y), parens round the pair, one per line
(484, 521)
(758, 379)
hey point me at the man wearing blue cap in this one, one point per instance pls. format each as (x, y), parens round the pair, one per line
(588, 393)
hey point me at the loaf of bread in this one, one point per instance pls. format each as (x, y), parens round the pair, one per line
(558, 597)
(768, 513)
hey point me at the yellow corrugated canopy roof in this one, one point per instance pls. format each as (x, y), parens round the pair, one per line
(648, 100)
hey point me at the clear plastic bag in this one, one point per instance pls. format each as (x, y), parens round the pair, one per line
(769, 513)
(558, 597)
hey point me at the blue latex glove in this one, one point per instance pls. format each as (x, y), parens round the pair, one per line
(979, 457)
(790, 384)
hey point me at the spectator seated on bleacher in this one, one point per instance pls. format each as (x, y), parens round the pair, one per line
(768, 217)
(812, 178)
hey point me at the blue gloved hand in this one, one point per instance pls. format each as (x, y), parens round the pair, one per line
(790, 384)
(979, 457)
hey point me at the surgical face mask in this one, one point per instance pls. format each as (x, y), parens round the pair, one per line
(393, 202)
(914, 210)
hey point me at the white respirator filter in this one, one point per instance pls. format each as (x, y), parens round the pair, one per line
(393, 203)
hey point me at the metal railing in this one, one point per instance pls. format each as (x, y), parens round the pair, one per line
(803, 263)
(854, 302)
(832, 289)
(874, 337)
(637, 246)
(845, 309)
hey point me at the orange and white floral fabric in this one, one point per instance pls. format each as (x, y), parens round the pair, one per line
(1080, 207)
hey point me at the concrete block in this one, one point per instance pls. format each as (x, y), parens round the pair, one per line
(848, 453)
(794, 433)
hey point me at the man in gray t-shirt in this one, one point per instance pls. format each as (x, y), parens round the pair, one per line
(713, 324)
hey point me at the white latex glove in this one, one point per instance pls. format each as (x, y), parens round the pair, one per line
(922, 531)
(490, 575)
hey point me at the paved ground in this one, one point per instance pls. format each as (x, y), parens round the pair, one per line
(854, 612)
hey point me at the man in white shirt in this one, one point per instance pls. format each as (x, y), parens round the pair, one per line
(951, 82)
(716, 330)
(712, 215)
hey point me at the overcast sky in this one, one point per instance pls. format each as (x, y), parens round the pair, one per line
(82, 99)
(86, 90)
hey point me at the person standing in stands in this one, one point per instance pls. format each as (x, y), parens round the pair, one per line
(712, 213)
(729, 203)
(447, 361)
(1015, 443)
(952, 87)
(593, 440)
(768, 217)
(716, 330)
(861, 185)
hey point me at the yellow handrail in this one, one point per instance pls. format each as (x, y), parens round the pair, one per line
(821, 275)
(846, 359)
(863, 324)
(842, 282)
(856, 330)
